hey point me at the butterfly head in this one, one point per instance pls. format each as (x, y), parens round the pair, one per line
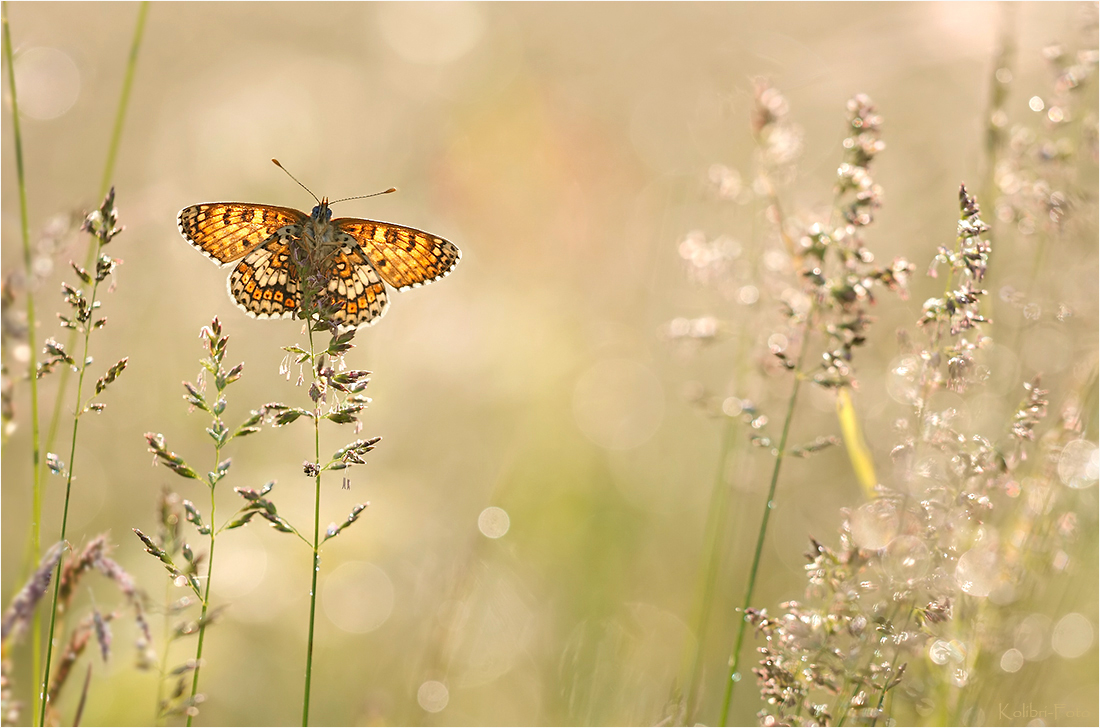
(322, 213)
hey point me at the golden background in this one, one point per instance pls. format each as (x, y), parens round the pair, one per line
(565, 149)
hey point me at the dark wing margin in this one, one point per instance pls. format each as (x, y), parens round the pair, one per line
(405, 257)
(228, 231)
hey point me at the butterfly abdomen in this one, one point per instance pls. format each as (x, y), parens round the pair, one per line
(319, 240)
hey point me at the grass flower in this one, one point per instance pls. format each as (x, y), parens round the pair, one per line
(170, 545)
(901, 619)
(102, 225)
(838, 275)
(337, 395)
(94, 626)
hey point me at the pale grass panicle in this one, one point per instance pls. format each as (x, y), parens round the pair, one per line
(92, 627)
(965, 532)
(190, 570)
(819, 276)
(85, 317)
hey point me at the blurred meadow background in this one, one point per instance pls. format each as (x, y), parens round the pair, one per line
(573, 375)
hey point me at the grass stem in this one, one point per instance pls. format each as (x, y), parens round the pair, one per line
(108, 172)
(316, 531)
(124, 99)
(78, 407)
(163, 667)
(717, 514)
(735, 657)
(206, 593)
(101, 224)
(713, 538)
(55, 420)
(32, 367)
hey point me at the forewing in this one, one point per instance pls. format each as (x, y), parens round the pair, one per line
(354, 287)
(265, 284)
(405, 257)
(228, 231)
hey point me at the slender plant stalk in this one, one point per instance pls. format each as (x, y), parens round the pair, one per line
(206, 593)
(316, 532)
(716, 518)
(893, 666)
(32, 366)
(108, 172)
(77, 411)
(124, 99)
(163, 659)
(170, 541)
(83, 696)
(735, 656)
(55, 419)
(1004, 58)
(715, 533)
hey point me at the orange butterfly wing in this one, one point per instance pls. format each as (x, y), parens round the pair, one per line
(265, 284)
(228, 231)
(354, 287)
(405, 257)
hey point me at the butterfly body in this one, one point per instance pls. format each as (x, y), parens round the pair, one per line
(316, 238)
(346, 260)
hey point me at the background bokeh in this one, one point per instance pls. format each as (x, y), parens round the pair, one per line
(565, 148)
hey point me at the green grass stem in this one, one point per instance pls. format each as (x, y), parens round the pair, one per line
(714, 538)
(108, 172)
(55, 419)
(735, 656)
(717, 513)
(206, 592)
(995, 134)
(78, 408)
(316, 533)
(35, 544)
(162, 669)
(124, 99)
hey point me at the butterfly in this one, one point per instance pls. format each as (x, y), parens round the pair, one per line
(348, 260)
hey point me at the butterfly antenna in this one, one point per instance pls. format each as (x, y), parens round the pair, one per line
(280, 166)
(363, 197)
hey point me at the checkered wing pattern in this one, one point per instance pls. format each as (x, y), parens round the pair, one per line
(228, 231)
(354, 287)
(265, 284)
(405, 257)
